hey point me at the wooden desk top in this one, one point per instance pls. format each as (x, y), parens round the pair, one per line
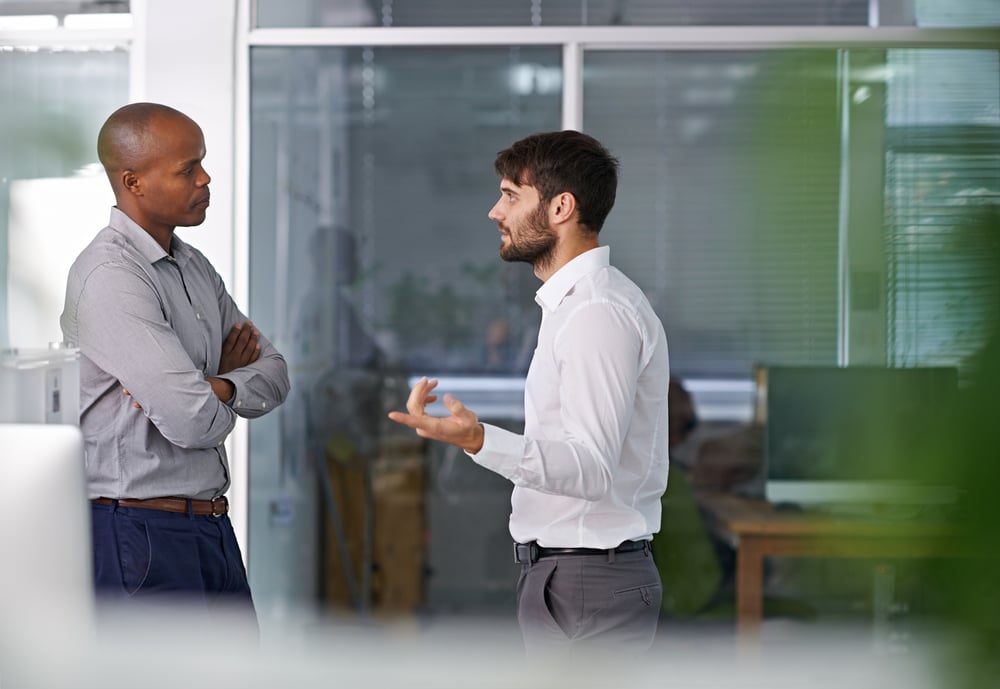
(738, 515)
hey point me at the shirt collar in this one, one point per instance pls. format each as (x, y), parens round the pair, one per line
(142, 240)
(550, 294)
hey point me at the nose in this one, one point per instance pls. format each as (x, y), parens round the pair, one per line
(204, 179)
(494, 213)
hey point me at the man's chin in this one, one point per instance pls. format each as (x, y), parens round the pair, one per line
(194, 220)
(509, 256)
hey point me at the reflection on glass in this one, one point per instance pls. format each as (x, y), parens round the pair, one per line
(373, 259)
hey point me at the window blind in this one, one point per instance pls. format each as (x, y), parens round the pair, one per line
(942, 192)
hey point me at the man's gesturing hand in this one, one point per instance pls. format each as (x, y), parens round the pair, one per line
(241, 347)
(461, 428)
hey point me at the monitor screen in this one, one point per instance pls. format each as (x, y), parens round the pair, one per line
(46, 574)
(853, 433)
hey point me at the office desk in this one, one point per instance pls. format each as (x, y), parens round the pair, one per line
(756, 530)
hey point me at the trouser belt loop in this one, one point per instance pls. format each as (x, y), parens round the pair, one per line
(190, 510)
(114, 504)
(611, 556)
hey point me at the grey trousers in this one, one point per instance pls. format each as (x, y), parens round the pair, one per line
(581, 604)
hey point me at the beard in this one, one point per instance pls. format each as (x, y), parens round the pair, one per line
(533, 242)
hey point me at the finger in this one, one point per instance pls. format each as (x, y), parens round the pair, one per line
(230, 341)
(454, 405)
(418, 395)
(129, 394)
(398, 417)
(244, 340)
(407, 419)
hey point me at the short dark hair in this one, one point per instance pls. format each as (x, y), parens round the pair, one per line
(564, 161)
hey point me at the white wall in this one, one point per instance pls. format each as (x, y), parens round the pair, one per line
(187, 62)
(184, 56)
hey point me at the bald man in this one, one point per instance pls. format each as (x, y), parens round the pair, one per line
(167, 363)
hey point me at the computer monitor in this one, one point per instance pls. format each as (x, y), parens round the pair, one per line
(856, 434)
(46, 590)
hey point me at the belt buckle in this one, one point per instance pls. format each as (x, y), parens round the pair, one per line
(525, 553)
(224, 502)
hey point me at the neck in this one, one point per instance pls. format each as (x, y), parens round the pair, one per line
(163, 234)
(566, 249)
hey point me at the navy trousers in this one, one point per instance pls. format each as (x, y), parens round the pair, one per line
(155, 557)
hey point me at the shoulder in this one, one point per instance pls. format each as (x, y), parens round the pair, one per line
(108, 249)
(605, 300)
(609, 287)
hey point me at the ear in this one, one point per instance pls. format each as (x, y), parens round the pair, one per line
(131, 183)
(562, 208)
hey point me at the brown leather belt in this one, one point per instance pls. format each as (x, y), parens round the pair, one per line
(215, 508)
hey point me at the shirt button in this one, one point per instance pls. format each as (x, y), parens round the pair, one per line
(198, 316)
(221, 442)
(239, 403)
(263, 405)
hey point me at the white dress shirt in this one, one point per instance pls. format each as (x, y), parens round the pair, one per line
(591, 467)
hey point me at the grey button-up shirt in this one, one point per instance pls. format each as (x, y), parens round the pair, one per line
(153, 323)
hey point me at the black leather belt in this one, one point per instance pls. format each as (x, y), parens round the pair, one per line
(526, 553)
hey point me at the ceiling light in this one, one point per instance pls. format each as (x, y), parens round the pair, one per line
(29, 22)
(98, 21)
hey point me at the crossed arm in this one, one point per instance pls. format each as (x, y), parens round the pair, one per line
(240, 348)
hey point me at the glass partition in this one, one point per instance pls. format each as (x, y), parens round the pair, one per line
(370, 249)
(53, 194)
(728, 204)
(777, 205)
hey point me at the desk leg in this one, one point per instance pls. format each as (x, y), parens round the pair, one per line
(749, 586)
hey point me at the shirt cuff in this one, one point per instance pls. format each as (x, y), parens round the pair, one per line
(501, 452)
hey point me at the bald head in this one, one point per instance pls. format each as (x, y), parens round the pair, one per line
(128, 140)
(153, 155)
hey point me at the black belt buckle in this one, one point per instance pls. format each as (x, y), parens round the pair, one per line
(525, 553)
